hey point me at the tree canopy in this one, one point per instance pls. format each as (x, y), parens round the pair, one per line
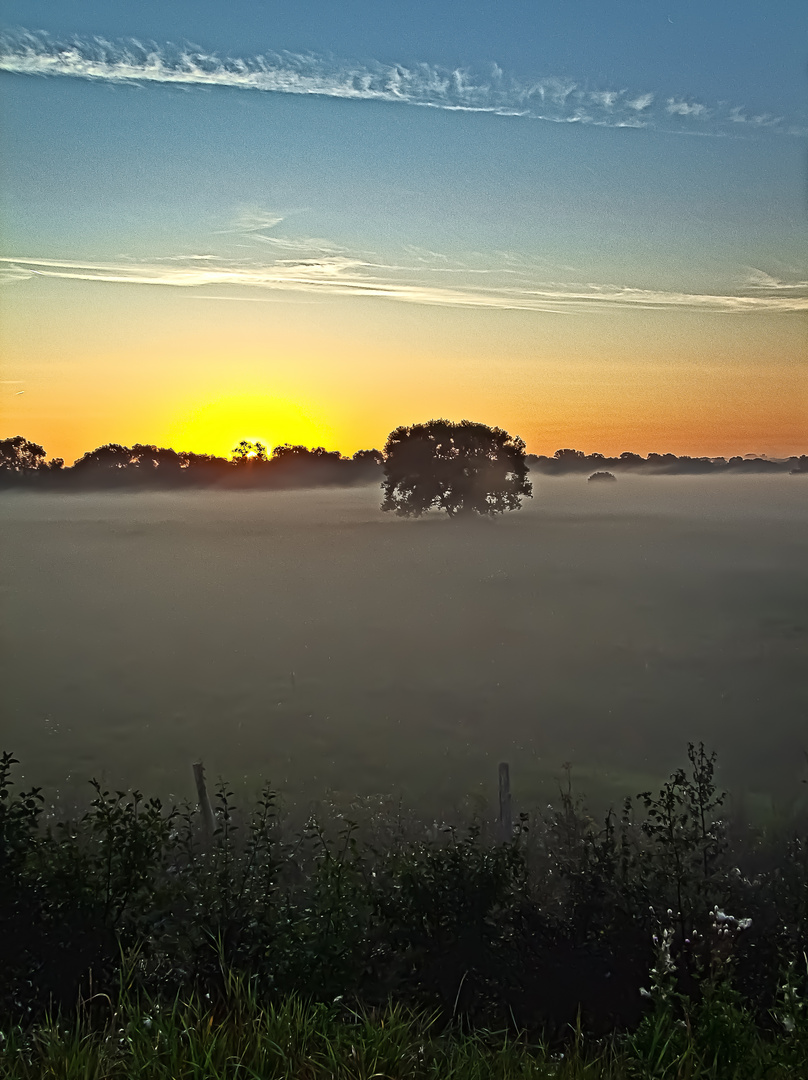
(248, 451)
(463, 468)
(19, 455)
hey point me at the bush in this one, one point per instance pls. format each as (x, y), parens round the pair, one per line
(556, 924)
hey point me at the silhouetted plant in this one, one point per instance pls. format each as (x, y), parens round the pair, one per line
(686, 838)
(129, 842)
(19, 824)
(711, 1033)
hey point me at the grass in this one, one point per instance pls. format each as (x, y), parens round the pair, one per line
(293, 1038)
(244, 1039)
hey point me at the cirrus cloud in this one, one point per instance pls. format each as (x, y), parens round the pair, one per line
(342, 275)
(547, 98)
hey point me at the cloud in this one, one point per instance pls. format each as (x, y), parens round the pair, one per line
(548, 98)
(255, 220)
(11, 274)
(257, 224)
(607, 98)
(299, 243)
(763, 283)
(640, 103)
(685, 108)
(762, 120)
(340, 275)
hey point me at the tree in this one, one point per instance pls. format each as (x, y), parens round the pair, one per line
(108, 456)
(463, 468)
(369, 457)
(570, 460)
(20, 455)
(247, 451)
(288, 452)
(150, 458)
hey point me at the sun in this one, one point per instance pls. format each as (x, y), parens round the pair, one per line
(216, 427)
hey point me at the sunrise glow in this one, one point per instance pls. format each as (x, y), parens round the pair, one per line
(265, 238)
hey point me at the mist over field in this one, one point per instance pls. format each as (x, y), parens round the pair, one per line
(305, 637)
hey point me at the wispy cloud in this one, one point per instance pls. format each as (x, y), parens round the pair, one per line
(257, 224)
(341, 275)
(11, 274)
(685, 108)
(639, 104)
(254, 220)
(309, 244)
(492, 91)
(761, 283)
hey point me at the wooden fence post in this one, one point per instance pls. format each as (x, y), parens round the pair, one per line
(205, 808)
(505, 816)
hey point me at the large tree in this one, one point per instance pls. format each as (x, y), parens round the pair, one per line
(463, 468)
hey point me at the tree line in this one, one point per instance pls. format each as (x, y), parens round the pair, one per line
(576, 461)
(142, 465)
(460, 468)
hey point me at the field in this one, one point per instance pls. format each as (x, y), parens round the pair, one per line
(307, 638)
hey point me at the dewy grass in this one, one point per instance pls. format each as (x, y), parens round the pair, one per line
(306, 1041)
(294, 1040)
(291, 1039)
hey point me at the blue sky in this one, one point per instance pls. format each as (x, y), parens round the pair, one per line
(721, 49)
(511, 163)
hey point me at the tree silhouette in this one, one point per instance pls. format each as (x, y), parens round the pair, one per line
(19, 455)
(463, 468)
(288, 452)
(369, 457)
(249, 451)
(570, 460)
(109, 456)
(148, 458)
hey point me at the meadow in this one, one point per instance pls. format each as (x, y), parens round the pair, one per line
(305, 638)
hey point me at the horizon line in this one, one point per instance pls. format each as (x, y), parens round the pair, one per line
(584, 455)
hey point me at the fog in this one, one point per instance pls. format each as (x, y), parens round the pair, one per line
(307, 638)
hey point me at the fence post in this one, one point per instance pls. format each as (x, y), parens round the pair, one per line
(205, 808)
(505, 817)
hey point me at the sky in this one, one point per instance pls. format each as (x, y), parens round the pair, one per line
(313, 221)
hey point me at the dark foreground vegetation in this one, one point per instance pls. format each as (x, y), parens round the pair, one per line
(659, 942)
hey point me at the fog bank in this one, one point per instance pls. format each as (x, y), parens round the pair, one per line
(306, 637)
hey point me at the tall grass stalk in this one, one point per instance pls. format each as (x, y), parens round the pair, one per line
(293, 1039)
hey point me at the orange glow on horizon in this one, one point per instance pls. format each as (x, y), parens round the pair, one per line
(216, 427)
(202, 378)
